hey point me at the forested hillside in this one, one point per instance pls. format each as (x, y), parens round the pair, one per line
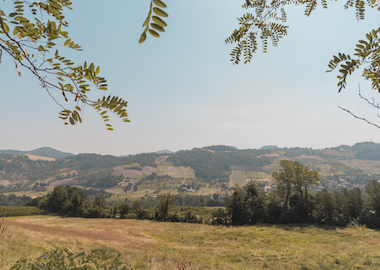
(212, 169)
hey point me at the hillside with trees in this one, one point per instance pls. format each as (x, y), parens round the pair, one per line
(210, 169)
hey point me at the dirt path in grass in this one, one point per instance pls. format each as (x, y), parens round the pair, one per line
(133, 240)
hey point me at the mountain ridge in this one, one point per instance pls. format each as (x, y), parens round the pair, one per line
(42, 151)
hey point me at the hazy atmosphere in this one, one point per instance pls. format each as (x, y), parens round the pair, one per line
(183, 91)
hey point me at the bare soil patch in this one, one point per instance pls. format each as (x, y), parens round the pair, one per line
(107, 232)
(5, 183)
(176, 171)
(161, 159)
(115, 190)
(34, 158)
(67, 181)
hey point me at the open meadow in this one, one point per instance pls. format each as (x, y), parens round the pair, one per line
(164, 245)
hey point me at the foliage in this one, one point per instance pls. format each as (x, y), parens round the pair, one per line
(62, 259)
(163, 206)
(267, 22)
(294, 178)
(247, 205)
(367, 53)
(63, 200)
(12, 199)
(209, 166)
(30, 34)
(367, 150)
(16, 211)
(158, 23)
(103, 178)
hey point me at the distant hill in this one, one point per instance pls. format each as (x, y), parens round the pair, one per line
(214, 167)
(269, 147)
(43, 151)
(165, 151)
(220, 148)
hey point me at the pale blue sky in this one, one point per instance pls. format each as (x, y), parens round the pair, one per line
(184, 92)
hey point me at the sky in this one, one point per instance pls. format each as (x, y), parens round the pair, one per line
(183, 91)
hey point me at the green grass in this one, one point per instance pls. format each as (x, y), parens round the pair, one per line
(164, 245)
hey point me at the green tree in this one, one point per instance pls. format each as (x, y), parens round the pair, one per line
(294, 178)
(247, 204)
(371, 214)
(30, 34)
(164, 203)
(123, 209)
(325, 208)
(66, 201)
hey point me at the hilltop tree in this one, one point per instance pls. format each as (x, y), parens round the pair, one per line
(30, 34)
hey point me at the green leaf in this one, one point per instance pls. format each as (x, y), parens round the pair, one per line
(157, 27)
(159, 21)
(160, 12)
(159, 3)
(154, 33)
(6, 28)
(142, 38)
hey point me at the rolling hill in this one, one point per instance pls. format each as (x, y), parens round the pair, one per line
(207, 169)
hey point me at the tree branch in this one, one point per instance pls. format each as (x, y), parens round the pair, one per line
(361, 118)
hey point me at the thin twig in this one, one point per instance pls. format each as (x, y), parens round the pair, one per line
(361, 118)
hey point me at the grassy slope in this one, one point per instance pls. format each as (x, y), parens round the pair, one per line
(153, 245)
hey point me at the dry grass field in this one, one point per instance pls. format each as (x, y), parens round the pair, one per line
(153, 245)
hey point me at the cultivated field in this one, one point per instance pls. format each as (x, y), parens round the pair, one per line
(238, 178)
(153, 245)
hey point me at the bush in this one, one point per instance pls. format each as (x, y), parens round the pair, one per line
(14, 211)
(63, 259)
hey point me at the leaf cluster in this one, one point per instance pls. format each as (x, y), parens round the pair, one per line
(367, 54)
(30, 35)
(155, 15)
(267, 23)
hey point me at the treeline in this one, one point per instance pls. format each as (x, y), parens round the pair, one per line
(12, 199)
(208, 165)
(71, 201)
(74, 202)
(15, 211)
(250, 204)
(292, 202)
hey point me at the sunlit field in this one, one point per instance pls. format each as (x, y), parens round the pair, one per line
(164, 245)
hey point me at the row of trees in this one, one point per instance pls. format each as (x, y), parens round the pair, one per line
(292, 203)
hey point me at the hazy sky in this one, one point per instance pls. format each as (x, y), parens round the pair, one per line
(184, 92)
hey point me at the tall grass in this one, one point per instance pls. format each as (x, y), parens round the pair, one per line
(165, 245)
(3, 227)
